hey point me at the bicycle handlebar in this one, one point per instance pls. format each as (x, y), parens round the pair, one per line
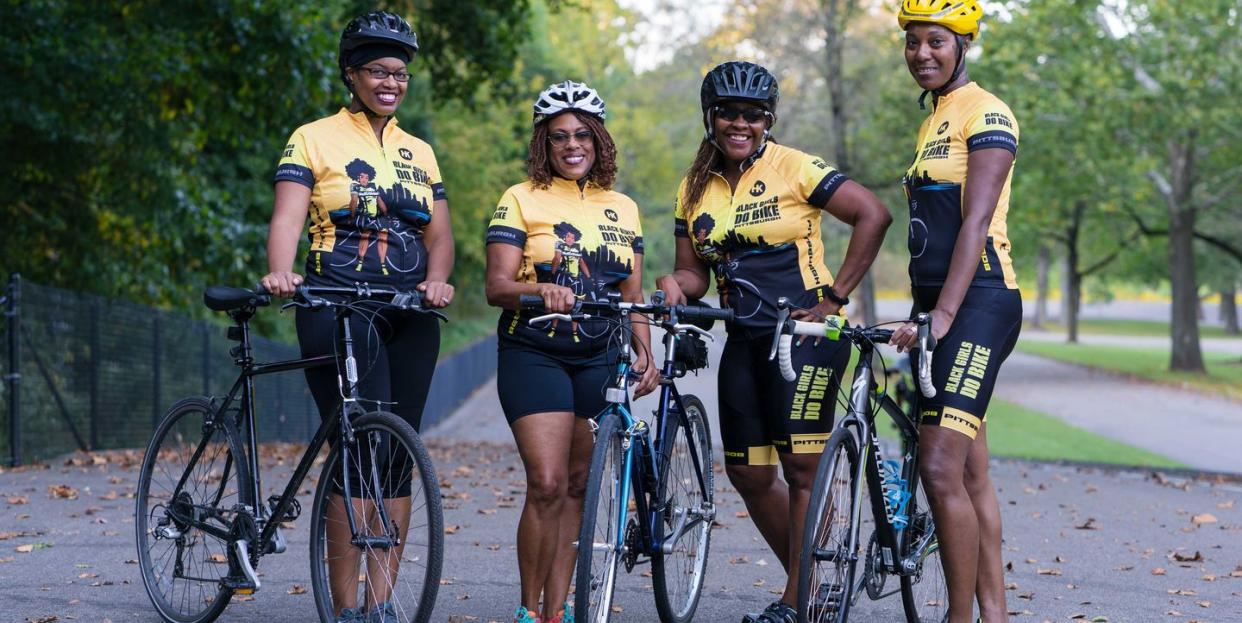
(581, 309)
(833, 329)
(312, 297)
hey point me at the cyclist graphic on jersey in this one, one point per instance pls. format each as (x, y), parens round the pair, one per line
(569, 266)
(369, 211)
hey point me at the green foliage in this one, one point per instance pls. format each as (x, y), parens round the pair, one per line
(1018, 432)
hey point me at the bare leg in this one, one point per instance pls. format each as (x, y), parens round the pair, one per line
(343, 557)
(556, 588)
(767, 500)
(990, 581)
(799, 471)
(942, 465)
(544, 441)
(382, 566)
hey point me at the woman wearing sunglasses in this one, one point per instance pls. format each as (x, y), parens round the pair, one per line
(565, 236)
(749, 210)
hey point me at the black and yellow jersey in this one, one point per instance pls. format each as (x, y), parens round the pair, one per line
(584, 239)
(763, 241)
(966, 120)
(369, 202)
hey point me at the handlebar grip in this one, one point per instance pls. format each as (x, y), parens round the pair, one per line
(785, 358)
(530, 301)
(927, 343)
(692, 312)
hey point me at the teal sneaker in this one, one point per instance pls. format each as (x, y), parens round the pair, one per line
(383, 613)
(351, 615)
(524, 616)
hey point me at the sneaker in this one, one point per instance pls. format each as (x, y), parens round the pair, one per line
(351, 615)
(566, 615)
(776, 612)
(383, 613)
(524, 616)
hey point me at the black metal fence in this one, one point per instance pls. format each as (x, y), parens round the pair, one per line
(84, 372)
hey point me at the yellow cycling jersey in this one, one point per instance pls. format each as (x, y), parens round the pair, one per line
(584, 239)
(369, 201)
(763, 240)
(964, 121)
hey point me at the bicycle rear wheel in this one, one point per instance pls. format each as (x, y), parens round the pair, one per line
(924, 593)
(689, 507)
(600, 537)
(829, 549)
(192, 476)
(388, 558)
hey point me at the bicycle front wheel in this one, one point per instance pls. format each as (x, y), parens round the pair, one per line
(381, 550)
(924, 593)
(600, 538)
(193, 478)
(687, 508)
(829, 547)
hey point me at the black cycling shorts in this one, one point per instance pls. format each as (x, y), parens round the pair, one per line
(968, 358)
(396, 352)
(762, 414)
(530, 380)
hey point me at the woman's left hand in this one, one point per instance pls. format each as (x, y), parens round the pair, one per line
(818, 313)
(906, 337)
(436, 293)
(650, 376)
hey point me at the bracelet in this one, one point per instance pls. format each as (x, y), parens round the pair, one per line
(837, 298)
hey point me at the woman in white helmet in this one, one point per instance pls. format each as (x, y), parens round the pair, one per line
(564, 236)
(961, 274)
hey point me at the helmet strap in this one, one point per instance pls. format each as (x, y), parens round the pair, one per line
(957, 73)
(710, 136)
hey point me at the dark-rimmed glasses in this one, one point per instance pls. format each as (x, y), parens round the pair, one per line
(379, 73)
(561, 139)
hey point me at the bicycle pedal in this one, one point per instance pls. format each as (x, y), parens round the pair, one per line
(241, 549)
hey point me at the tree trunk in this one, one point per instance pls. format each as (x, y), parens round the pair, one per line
(1041, 288)
(866, 299)
(1186, 355)
(1065, 290)
(1073, 273)
(1229, 310)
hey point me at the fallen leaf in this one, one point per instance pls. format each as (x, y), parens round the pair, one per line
(62, 492)
(18, 500)
(1181, 557)
(451, 529)
(25, 549)
(1158, 571)
(297, 589)
(1088, 525)
(1048, 571)
(1199, 520)
(741, 514)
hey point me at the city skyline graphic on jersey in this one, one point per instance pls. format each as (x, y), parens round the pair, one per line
(590, 271)
(378, 230)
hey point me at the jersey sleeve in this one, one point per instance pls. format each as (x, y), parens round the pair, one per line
(637, 243)
(680, 228)
(507, 225)
(295, 164)
(433, 173)
(816, 180)
(992, 126)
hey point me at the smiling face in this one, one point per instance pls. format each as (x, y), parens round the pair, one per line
(381, 96)
(739, 138)
(931, 54)
(574, 156)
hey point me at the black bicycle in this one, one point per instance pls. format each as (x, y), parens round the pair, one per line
(904, 542)
(376, 526)
(647, 499)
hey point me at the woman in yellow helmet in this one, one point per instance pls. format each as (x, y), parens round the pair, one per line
(960, 272)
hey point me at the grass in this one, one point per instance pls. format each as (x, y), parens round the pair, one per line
(1223, 378)
(1017, 432)
(1151, 328)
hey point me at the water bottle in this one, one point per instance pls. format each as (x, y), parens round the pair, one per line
(896, 493)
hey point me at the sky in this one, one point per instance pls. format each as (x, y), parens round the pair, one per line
(668, 21)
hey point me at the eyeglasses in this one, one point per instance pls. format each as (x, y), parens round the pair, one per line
(561, 139)
(731, 113)
(379, 73)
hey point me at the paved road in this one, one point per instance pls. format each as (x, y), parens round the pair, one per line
(1230, 346)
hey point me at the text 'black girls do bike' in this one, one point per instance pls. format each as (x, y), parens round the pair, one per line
(904, 542)
(376, 527)
(647, 499)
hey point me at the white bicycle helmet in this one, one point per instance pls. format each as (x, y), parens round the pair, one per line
(568, 95)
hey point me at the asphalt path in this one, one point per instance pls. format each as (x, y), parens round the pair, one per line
(1081, 542)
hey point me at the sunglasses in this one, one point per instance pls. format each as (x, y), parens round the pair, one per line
(750, 114)
(561, 139)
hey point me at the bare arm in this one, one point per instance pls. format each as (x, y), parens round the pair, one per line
(503, 290)
(859, 208)
(689, 279)
(438, 236)
(289, 211)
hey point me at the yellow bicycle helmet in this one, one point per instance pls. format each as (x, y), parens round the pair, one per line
(960, 16)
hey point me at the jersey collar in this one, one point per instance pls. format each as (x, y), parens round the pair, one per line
(749, 161)
(359, 120)
(947, 98)
(571, 186)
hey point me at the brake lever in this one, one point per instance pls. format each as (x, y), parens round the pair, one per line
(782, 317)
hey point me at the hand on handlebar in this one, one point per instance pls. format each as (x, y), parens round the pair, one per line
(906, 337)
(650, 375)
(672, 290)
(436, 294)
(556, 299)
(282, 283)
(818, 313)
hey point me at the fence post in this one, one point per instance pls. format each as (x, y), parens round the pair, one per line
(15, 371)
(94, 379)
(156, 347)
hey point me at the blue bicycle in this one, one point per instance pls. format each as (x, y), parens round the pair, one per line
(648, 498)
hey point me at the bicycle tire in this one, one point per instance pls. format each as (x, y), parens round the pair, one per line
(924, 593)
(680, 493)
(411, 591)
(207, 493)
(599, 560)
(824, 596)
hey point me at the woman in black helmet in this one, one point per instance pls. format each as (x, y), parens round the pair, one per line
(378, 215)
(749, 210)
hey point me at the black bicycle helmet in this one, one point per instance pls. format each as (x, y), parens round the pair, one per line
(375, 27)
(739, 80)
